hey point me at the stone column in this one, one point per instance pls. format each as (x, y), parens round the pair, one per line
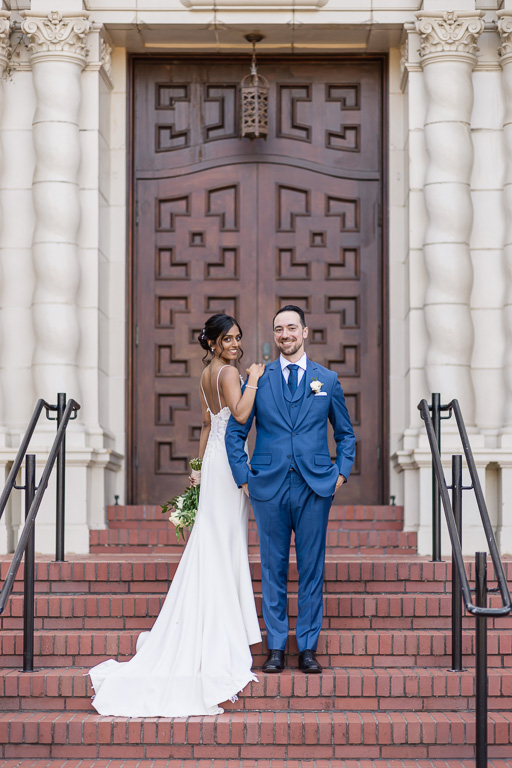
(57, 53)
(505, 50)
(504, 532)
(5, 52)
(448, 55)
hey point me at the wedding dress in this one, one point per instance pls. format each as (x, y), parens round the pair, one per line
(197, 654)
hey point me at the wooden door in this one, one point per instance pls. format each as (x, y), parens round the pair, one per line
(225, 224)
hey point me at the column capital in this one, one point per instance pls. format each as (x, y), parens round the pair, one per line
(504, 25)
(55, 35)
(449, 35)
(5, 39)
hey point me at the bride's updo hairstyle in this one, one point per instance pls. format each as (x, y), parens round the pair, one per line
(215, 328)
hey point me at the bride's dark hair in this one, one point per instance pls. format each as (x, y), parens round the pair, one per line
(215, 328)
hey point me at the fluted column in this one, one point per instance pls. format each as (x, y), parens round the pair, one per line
(5, 52)
(57, 48)
(448, 55)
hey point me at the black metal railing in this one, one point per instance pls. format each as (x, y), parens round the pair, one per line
(460, 582)
(437, 409)
(65, 412)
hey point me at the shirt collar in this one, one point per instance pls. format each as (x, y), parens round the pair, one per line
(302, 363)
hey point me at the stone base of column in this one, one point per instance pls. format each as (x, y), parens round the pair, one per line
(91, 477)
(495, 473)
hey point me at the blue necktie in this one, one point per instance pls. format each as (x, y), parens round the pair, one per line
(293, 378)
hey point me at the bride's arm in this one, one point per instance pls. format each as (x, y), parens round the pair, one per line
(240, 404)
(205, 427)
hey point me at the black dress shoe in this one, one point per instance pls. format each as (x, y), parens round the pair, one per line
(308, 663)
(274, 662)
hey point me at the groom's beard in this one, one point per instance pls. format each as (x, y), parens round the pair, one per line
(290, 349)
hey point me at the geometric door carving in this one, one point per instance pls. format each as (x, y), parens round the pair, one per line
(228, 225)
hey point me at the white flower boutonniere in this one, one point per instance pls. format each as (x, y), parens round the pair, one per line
(316, 386)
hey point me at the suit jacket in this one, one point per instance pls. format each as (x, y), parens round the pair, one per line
(279, 442)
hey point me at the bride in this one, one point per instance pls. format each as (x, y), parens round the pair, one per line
(197, 654)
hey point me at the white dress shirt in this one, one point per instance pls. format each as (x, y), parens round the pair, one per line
(302, 363)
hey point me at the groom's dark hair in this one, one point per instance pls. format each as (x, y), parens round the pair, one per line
(292, 308)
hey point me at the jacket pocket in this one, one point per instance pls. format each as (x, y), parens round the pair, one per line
(323, 461)
(261, 458)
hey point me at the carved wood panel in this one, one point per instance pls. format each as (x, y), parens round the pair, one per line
(224, 224)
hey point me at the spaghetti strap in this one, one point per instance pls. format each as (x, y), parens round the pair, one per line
(206, 401)
(218, 391)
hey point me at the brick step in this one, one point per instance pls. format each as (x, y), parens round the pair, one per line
(163, 524)
(31, 763)
(341, 611)
(336, 648)
(127, 540)
(358, 517)
(276, 735)
(347, 690)
(144, 572)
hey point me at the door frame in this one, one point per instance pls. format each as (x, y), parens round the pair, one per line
(133, 59)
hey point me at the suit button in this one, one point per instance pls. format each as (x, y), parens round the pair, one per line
(289, 456)
(294, 434)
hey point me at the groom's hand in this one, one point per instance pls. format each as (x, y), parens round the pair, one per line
(245, 488)
(339, 482)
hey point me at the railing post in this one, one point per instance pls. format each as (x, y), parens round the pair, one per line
(28, 597)
(456, 585)
(436, 496)
(481, 661)
(61, 483)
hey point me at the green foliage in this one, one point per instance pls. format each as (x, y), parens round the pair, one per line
(184, 507)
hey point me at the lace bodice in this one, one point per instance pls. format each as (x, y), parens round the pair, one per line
(219, 422)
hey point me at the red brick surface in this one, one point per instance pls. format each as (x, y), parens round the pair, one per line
(386, 699)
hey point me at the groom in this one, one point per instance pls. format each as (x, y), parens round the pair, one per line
(291, 481)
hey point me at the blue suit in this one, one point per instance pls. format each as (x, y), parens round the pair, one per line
(291, 484)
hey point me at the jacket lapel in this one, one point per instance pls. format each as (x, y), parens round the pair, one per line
(307, 401)
(276, 385)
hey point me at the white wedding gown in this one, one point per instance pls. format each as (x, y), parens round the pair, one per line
(197, 654)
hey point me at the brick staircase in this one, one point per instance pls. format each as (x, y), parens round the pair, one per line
(387, 697)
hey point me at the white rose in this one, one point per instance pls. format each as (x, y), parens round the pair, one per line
(179, 502)
(316, 386)
(175, 519)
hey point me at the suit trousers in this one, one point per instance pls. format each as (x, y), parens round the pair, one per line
(295, 507)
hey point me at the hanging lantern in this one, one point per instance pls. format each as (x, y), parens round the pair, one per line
(254, 98)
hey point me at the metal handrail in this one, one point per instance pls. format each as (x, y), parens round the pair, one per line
(471, 607)
(11, 480)
(71, 406)
(33, 499)
(460, 584)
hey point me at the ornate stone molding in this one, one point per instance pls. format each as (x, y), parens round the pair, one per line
(57, 34)
(106, 57)
(5, 39)
(267, 5)
(404, 60)
(504, 25)
(449, 33)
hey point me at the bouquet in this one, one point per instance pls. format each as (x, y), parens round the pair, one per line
(184, 507)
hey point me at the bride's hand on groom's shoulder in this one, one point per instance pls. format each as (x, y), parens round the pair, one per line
(256, 369)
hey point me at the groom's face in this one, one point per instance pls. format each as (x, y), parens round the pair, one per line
(289, 335)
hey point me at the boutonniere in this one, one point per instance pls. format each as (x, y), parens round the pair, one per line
(316, 386)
